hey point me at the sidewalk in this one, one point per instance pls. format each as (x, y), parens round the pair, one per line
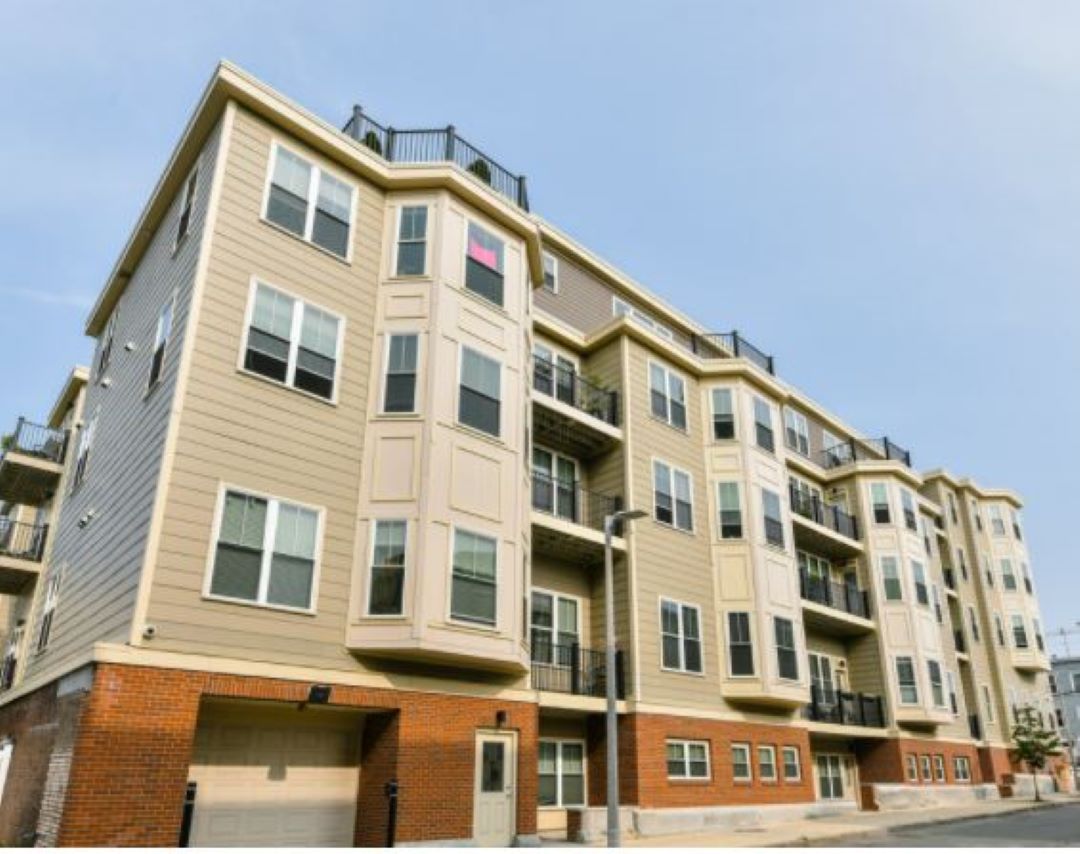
(818, 831)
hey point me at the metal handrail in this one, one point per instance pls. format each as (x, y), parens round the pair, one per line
(730, 345)
(573, 669)
(569, 500)
(35, 440)
(851, 451)
(849, 708)
(22, 540)
(568, 386)
(831, 516)
(834, 594)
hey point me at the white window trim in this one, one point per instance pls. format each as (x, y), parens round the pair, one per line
(888, 502)
(753, 646)
(411, 277)
(641, 318)
(720, 538)
(151, 382)
(554, 628)
(457, 622)
(988, 702)
(686, 742)
(559, 742)
(939, 768)
(373, 525)
(800, 425)
(273, 504)
(681, 669)
(294, 342)
(180, 239)
(885, 600)
(384, 381)
(944, 704)
(798, 763)
(712, 413)
(83, 447)
(900, 685)
(965, 763)
(911, 768)
(926, 770)
(49, 602)
(668, 374)
(776, 771)
(554, 350)
(476, 431)
(771, 425)
(749, 778)
(672, 469)
(317, 169)
(795, 646)
(498, 235)
(554, 289)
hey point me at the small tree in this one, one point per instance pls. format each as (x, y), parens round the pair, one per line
(1034, 743)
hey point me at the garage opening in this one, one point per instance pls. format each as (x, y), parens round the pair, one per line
(269, 774)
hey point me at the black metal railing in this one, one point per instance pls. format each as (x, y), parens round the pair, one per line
(569, 500)
(845, 707)
(35, 440)
(730, 345)
(436, 145)
(959, 640)
(22, 540)
(974, 727)
(851, 451)
(568, 386)
(811, 506)
(834, 594)
(950, 578)
(572, 669)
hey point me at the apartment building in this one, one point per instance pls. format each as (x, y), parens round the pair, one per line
(324, 535)
(1065, 685)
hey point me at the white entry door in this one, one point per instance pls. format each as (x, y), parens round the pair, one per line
(496, 790)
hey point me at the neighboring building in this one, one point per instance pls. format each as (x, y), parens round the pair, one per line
(325, 514)
(1065, 683)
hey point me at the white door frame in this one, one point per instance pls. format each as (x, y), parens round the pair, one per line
(510, 771)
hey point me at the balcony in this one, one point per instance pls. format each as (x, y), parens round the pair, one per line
(436, 145)
(31, 463)
(22, 547)
(868, 450)
(822, 528)
(845, 708)
(568, 520)
(731, 345)
(845, 609)
(572, 669)
(573, 416)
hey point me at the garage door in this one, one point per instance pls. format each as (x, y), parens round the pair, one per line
(274, 776)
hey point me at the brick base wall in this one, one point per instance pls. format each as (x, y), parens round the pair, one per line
(885, 762)
(996, 766)
(130, 764)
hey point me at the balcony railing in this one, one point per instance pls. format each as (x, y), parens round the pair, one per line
(975, 727)
(436, 145)
(950, 578)
(852, 451)
(572, 669)
(571, 388)
(728, 345)
(959, 640)
(34, 440)
(21, 540)
(845, 707)
(835, 594)
(832, 517)
(569, 500)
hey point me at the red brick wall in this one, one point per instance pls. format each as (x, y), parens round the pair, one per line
(134, 747)
(643, 763)
(995, 766)
(884, 762)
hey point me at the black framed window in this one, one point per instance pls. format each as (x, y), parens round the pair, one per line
(161, 343)
(309, 202)
(763, 426)
(401, 361)
(787, 660)
(680, 634)
(474, 579)
(412, 241)
(723, 414)
(387, 594)
(774, 523)
(730, 509)
(879, 500)
(740, 644)
(484, 264)
(479, 401)
(183, 224)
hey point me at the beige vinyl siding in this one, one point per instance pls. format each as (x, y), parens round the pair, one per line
(865, 671)
(249, 433)
(102, 561)
(588, 586)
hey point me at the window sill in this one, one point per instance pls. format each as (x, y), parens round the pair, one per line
(667, 526)
(683, 431)
(464, 625)
(677, 672)
(265, 606)
(480, 434)
(400, 416)
(484, 301)
(689, 781)
(347, 260)
(326, 401)
(403, 278)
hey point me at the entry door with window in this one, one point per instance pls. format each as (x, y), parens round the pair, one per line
(821, 679)
(555, 631)
(830, 772)
(554, 374)
(496, 773)
(555, 484)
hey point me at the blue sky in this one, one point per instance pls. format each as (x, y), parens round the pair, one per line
(884, 195)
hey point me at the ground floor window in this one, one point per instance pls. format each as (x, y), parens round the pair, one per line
(924, 765)
(562, 773)
(912, 767)
(830, 771)
(939, 768)
(962, 769)
(688, 760)
(792, 771)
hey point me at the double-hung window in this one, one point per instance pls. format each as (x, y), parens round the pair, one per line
(1020, 639)
(183, 223)
(935, 596)
(82, 454)
(905, 677)
(555, 628)
(962, 769)
(997, 524)
(740, 644)
(621, 308)
(730, 509)
(554, 374)
(763, 426)
(387, 594)
(680, 633)
(480, 393)
(911, 768)
(973, 621)
(401, 361)
(954, 704)
(412, 241)
(988, 703)
(774, 521)
(551, 273)
(673, 502)
(265, 551)
(11, 656)
(792, 765)
(687, 760)
(890, 579)
(105, 351)
(1008, 577)
(879, 501)
(740, 763)
(787, 660)
(918, 576)
(1016, 525)
(908, 504)
(924, 764)
(999, 630)
(667, 395)
(953, 514)
(961, 561)
(1036, 629)
(48, 608)
(162, 334)
(562, 773)
(555, 485)
(939, 768)
(988, 571)
(293, 342)
(766, 762)
(975, 515)
(937, 688)
(309, 202)
(484, 264)
(723, 414)
(474, 579)
(797, 431)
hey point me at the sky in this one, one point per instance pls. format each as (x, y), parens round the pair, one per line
(886, 196)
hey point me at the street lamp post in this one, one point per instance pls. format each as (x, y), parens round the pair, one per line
(610, 681)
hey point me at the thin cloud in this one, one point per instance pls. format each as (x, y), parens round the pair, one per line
(70, 300)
